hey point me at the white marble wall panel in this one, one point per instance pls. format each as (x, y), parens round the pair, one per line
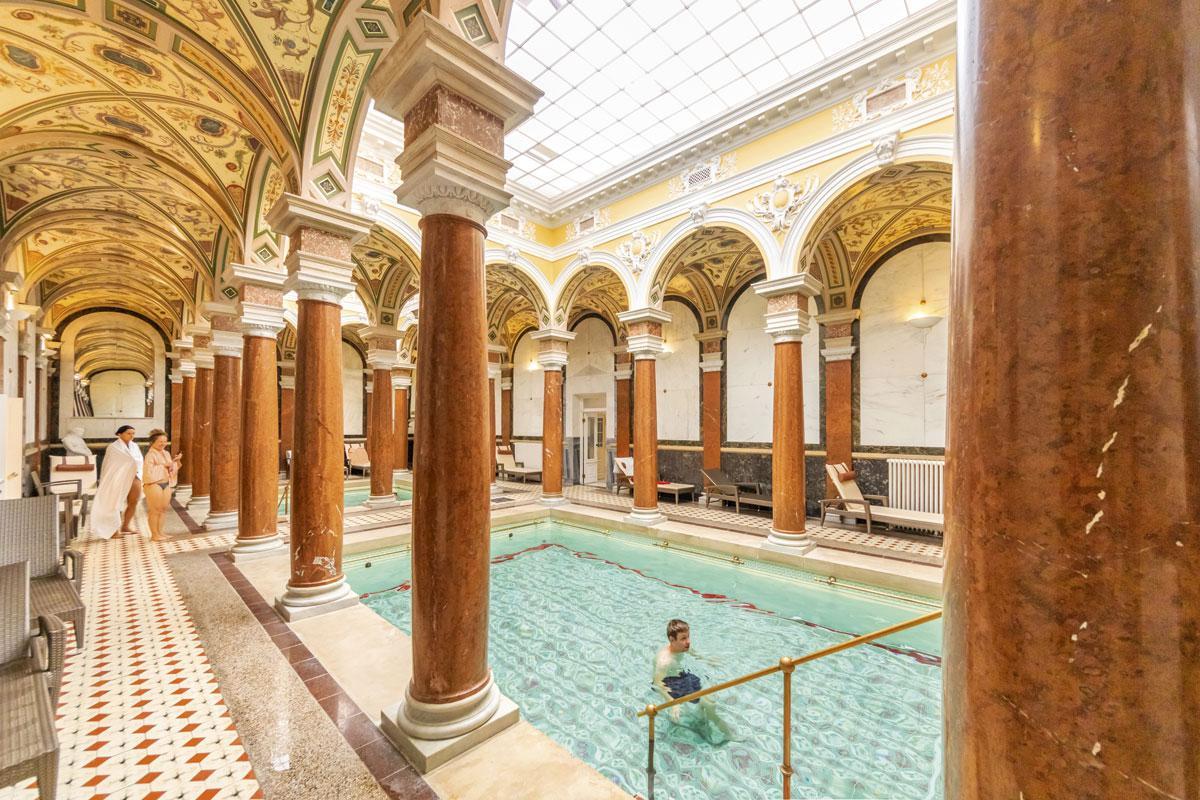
(903, 368)
(749, 374)
(353, 389)
(590, 365)
(677, 377)
(527, 401)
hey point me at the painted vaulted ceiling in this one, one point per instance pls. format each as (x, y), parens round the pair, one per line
(141, 143)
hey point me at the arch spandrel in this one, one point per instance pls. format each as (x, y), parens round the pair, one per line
(387, 273)
(596, 289)
(516, 301)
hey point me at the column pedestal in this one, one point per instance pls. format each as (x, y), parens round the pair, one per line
(787, 321)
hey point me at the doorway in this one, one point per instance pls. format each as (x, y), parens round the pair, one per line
(591, 451)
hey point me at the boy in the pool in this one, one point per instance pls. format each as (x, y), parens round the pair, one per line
(673, 680)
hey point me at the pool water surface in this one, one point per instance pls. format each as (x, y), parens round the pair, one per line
(354, 497)
(577, 616)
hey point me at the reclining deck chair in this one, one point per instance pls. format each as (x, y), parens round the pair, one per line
(718, 486)
(851, 502)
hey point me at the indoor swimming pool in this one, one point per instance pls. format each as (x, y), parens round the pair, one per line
(578, 614)
(353, 496)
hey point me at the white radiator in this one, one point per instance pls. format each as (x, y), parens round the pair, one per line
(916, 484)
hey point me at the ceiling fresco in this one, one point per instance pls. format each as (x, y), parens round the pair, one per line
(387, 273)
(151, 137)
(598, 291)
(108, 347)
(887, 208)
(514, 305)
(707, 270)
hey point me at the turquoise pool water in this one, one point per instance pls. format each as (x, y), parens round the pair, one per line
(577, 615)
(355, 497)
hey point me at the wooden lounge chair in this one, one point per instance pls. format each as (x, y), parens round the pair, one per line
(851, 502)
(509, 467)
(358, 459)
(718, 486)
(30, 674)
(623, 474)
(29, 532)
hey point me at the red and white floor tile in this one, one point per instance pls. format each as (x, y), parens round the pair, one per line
(141, 716)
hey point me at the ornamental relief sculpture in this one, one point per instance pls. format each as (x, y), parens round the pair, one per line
(780, 205)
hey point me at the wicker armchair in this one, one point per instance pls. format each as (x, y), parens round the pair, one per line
(30, 674)
(29, 532)
(74, 500)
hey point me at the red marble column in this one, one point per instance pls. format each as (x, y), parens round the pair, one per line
(495, 354)
(187, 423)
(261, 294)
(176, 407)
(838, 353)
(623, 378)
(287, 410)
(1072, 629)
(451, 474)
(320, 239)
(645, 342)
(552, 357)
(202, 427)
(506, 405)
(381, 357)
(452, 692)
(710, 397)
(227, 418)
(402, 380)
(787, 321)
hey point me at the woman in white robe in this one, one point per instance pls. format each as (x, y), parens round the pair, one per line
(117, 473)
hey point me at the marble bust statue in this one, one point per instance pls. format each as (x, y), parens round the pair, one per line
(74, 443)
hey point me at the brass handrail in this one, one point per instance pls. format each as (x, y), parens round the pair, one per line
(284, 498)
(786, 666)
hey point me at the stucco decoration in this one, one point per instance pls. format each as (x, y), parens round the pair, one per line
(635, 252)
(707, 268)
(779, 205)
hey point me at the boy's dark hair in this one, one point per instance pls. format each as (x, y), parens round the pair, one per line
(676, 627)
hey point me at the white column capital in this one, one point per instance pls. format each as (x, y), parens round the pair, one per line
(506, 384)
(839, 348)
(227, 343)
(263, 321)
(401, 381)
(623, 373)
(287, 381)
(843, 317)
(382, 358)
(711, 362)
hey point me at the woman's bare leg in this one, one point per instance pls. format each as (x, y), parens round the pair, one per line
(131, 503)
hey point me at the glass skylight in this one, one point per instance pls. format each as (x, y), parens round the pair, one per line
(623, 77)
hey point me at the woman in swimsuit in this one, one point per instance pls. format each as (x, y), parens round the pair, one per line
(158, 479)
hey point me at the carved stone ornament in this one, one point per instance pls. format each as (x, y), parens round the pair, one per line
(780, 204)
(885, 148)
(636, 252)
(697, 213)
(584, 256)
(512, 255)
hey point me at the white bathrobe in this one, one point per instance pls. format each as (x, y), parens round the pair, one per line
(122, 465)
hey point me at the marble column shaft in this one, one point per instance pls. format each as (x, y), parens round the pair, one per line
(645, 435)
(787, 448)
(202, 430)
(451, 509)
(400, 421)
(226, 433)
(287, 416)
(187, 422)
(838, 352)
(506, 406)
(379, 440)
(1072, 627)
(176, 411)
(317, 474)
(552, 432)
(259, 497)
(623, 389)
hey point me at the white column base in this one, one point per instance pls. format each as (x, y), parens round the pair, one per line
(183, 494)
(795, 543)
(645, 516)
(198, 505)
(430, 734)
(553, 500)
(260, 547)
(383, 501)
(221, 520)
(301, 602)
(402, 474)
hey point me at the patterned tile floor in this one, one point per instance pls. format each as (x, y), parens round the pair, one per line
(141, 715)
(916, 548)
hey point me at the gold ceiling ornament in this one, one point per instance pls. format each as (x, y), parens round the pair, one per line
(780, 204)
(635, 253)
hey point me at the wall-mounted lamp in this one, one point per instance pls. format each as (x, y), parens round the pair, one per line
(921, 318)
